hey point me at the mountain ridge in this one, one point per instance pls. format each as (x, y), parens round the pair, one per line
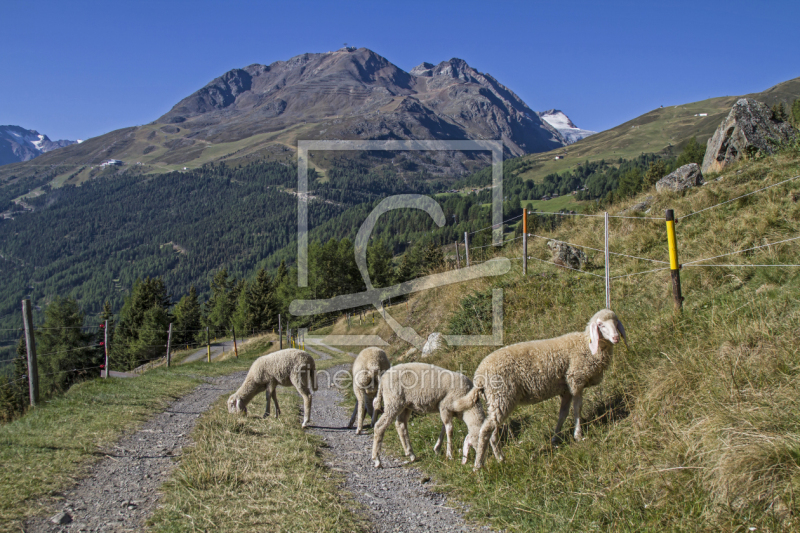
(260, 111)
(18, 144)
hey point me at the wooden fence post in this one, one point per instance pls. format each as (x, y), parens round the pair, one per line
(169, 343)
(458, 257)
(280, 333)
(525, 241)
(30, 343)
(105, 345)
(466, 247)
(235, 349)
(208, 347)
(674, 266)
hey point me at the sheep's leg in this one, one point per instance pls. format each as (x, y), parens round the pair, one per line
(447, 421)
(353, 416)
(389, 414)
(270, 392)
(275, 399)
(465, 449)
(438, 446)
(577, 402)
(489, 426)
(306, 394)
(402, 431)
(495, 442)
(566, 399)
(361, 399)
(370, 408)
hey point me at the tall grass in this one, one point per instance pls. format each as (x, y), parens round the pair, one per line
(696, 425)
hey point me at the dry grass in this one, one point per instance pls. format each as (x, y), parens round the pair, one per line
(696, 424)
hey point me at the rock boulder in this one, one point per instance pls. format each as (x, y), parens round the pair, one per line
(685, 177)
(566, 255)
(749, 128)
(435, 341)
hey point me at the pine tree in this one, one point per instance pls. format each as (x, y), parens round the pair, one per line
(63, 349)
(145, 295)
(796, 113)
(262, 302)
(219, 308)
(693, 152)
(379, 261)
(187, 327)
(655, 172)
(14, 391)
(152, 341)
(242, 317)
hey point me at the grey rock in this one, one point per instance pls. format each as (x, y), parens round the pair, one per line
(435, 341)
(684, 178)
(566, 255)
(61, 518)
(638, 207)
(749, 128)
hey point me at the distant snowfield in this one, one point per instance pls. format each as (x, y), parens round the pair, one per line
(564, 125)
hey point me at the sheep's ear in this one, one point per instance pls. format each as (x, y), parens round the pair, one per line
(594, 333)
(621, 329)
(239, 405)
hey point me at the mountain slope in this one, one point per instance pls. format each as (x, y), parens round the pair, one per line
(662, 130)
(260, 111)
(18, 144)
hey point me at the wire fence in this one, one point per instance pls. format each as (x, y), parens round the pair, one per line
(498, 247)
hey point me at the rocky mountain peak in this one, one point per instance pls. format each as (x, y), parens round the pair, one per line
(20, 144)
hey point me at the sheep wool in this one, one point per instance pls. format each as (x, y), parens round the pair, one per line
(284, 367)
(534, 371)
(423, 388)
(367, 369)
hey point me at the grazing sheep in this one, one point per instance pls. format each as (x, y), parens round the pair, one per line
(423, 388)
(285, 367)
(368, 367)
(534, 371)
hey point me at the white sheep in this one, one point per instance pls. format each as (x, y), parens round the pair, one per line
(367, 369)
(423, 388)
(284, 367)
(534, 371)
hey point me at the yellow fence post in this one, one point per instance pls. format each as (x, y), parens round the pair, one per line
(674, 266)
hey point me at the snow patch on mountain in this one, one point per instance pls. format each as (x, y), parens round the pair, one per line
(18, 144)
(564, 125)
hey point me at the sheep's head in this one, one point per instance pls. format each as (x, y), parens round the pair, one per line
(605, 326)
(236, 405)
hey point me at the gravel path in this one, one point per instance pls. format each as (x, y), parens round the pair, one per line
(122, 490)
(396, 495)
(216, 350)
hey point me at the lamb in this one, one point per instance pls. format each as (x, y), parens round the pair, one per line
(534, 371)
(284, 367)
(423, 388)
(368, 367)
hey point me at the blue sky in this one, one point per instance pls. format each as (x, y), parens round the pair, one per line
(79, 69)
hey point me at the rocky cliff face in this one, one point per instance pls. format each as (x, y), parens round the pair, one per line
(18, 144)
(360, 95)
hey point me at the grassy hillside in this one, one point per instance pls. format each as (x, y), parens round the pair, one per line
(662, 130)
(696, 424)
